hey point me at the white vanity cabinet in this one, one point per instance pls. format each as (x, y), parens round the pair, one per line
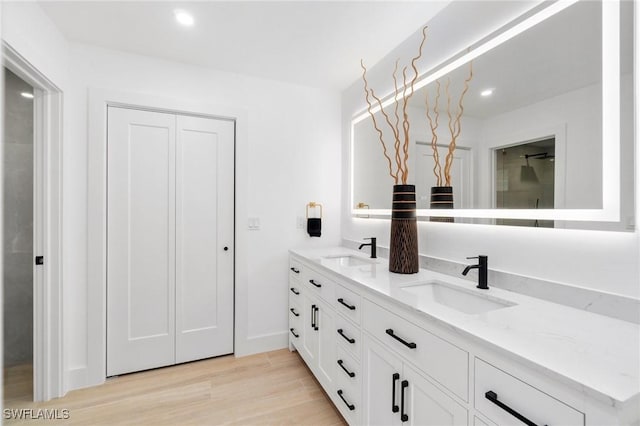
(383, 362)
(395, 393)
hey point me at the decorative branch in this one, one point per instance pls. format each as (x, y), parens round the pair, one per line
(375, 124)
(456, 128)
(402, 170)
(433, 125)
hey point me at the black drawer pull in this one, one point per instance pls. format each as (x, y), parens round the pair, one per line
(294, 291)
(297, 271)
(410, 345)
(349, 373)
(315, 310)
(348, 339)
(350, 307)
(318, 285)
(293, 331)
(493, 397)
(403, 416)
(293, 311)
(394, 379)
(351, 407)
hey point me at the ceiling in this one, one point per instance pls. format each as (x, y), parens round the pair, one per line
(314, 43)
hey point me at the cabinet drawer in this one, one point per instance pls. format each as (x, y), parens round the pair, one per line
(349, 336)
(348, 371)
(444, 362)
(510, 393)
(319, 284)
(295, 270)
(348, 303)
(348, 403)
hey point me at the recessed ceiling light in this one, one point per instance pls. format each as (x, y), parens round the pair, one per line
(486, 92)
(27, 95)
(183, 17)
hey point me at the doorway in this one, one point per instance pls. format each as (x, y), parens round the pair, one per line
(170, 222)
(525, 179)
(18, 236)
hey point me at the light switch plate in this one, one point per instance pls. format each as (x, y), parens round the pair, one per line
(254, 223)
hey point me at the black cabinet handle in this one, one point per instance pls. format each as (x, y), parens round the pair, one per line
(297, 271)
(349, 373)
(410, 345)
(294, 291)
(493, 397)
(316, 327)
(293, 311)
(351, 407)
(318, 285)
(403, 416)
(394, 379)
(348, 339)
(293, 331)
(350, 307)
(313, 316)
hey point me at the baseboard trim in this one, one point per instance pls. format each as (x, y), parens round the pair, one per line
(263, 343)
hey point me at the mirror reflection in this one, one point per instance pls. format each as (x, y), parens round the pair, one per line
(530, 135)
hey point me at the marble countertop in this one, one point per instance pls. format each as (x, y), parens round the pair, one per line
(598, 355)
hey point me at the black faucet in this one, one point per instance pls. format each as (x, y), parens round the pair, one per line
(482, 271)
(372, 244)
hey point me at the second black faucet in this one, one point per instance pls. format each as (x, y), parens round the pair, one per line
(372, 244)
(482, 271)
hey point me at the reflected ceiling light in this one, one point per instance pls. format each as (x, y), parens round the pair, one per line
(27, 95)
(183, 17)
(486, 92)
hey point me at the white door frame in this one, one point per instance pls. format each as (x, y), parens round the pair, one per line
(48, 357)
(99, 100)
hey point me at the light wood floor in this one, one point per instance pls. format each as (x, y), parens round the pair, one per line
(269, 388)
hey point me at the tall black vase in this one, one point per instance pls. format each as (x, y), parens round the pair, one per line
(441, 198)
(403, 249)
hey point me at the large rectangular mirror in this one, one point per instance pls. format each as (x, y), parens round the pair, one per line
(548, 110)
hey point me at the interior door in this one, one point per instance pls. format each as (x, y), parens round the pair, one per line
(460, 175)
(140, 240)
(204, 229)
(170, 239)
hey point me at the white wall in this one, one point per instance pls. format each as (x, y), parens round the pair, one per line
(604, 261)
(291, 151)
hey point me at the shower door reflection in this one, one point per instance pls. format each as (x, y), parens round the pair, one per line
(525, 179)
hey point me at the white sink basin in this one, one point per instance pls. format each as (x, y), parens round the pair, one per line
(349, 260)
(468, 302)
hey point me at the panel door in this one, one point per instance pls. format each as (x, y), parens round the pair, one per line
(140, 240)
(326, 345)
(460, 175)
(427, 405)
(204, 237)
(310, 338)
(381, 386)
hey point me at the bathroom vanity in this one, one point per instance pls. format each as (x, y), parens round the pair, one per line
(429, 348)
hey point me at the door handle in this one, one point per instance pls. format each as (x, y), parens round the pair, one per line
(394, 379)
(313, 317)
(316, 327)
(403, 415)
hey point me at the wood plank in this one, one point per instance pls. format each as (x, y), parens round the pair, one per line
(268, 388)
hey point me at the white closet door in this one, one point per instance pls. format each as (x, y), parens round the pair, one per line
(204, 246)
(141, 240)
